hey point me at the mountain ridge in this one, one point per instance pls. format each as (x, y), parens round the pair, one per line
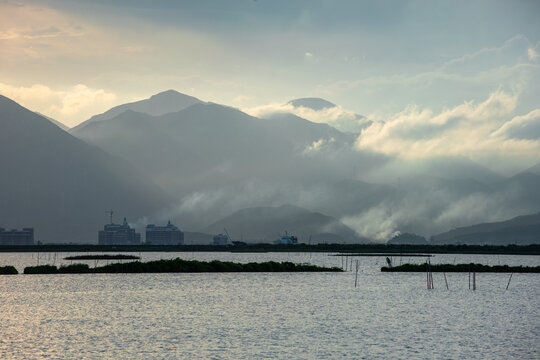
(61, 185)
(159, 104)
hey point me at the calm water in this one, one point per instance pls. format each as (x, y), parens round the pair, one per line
(257, 316)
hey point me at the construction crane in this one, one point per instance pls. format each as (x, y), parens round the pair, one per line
(227, 234)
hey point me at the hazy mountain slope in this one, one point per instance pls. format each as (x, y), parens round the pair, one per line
(521, 230)
(534, 169)
(330, 113)
(209, 145)
(62, 186)
(521, 191)
(454, 168)
(159, 104)
(267, 224)
(55, 122)
(215, 160)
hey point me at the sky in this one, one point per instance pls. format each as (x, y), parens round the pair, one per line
(412, 65)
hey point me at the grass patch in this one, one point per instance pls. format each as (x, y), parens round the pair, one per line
(8, 270)
(479, 268)
(102, 257)
(179, 266)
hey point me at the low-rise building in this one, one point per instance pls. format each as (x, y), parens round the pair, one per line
(221, 239)
(164, 235)
(17, 237)
(118, 234)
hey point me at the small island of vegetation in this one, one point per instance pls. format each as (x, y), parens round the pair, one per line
(8, 270)
(102, 257)
(461, 268)
(179, 266)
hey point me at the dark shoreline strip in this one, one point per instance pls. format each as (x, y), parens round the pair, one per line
(102, 257)
(8, 270)
(179, 266)
(479, 268)
(383, 254)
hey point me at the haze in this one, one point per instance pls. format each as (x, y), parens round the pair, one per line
(365, 118)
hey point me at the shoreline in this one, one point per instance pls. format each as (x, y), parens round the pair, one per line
(343, 249)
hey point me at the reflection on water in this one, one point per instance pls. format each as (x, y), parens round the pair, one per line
(287, 316)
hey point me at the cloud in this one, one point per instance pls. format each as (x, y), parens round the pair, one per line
(318, 145)
(532, 53)
(512, 67)
(521, 127)
(59, 104)
(335, 116)
(470, 130)
(428, 213)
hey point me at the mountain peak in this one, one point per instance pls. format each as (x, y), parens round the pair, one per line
(312, 103)
(165, 102)
(171, 94)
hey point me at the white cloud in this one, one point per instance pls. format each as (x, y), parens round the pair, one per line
(532, 53)
(521, 127)
(470, 130)
(62, 104)
(335, 116)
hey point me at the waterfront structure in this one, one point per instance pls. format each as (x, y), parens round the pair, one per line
(118, 234)
(17, 237)
(164, 235)
(220, 239)
(287, 240)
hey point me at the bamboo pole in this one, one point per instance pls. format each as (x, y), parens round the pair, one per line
(427, 275)
(356, 276)
(469, 277)
(507, 285)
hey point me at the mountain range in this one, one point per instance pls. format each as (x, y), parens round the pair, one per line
(61, 185)
(207, 167)
(521, 230)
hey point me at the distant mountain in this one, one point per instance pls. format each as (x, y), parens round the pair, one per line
(521, 191)
(197, 238)
(163, 103)
(446, 167)
(266, 224)
(521, 230)
(346, 122)
(62, 186)
(55, 122)
(215, 160)
(312, 103)
(209, 145)
(534, 169)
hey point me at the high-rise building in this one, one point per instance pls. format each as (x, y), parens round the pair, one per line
(118, 234)
(164, 235)
(17, 237)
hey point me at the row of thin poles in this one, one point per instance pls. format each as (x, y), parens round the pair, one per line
(346, 265)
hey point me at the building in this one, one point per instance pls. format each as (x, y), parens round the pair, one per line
(220, 239)
(116, 234)
(287, 240)
(164, 235)
(17, 237)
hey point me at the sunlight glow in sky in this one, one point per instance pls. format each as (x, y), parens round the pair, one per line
(412, 64)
